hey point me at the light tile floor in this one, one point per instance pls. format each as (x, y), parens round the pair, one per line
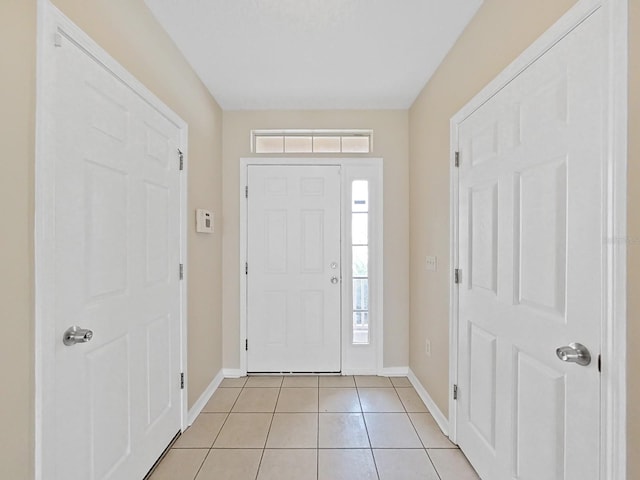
(314, 428)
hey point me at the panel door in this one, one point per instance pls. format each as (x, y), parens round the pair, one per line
(117, 397)
(293, 311)
(531, 193)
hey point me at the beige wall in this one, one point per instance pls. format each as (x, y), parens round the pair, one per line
(391, 143)
(633, 251)
(499, 32)
(17, 27)
(127, 30)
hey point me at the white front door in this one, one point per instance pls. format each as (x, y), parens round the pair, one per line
(531, 251)
(116, 399)
(293, 282)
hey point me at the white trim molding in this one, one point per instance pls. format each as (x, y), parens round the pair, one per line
(395, 371)
(435, 412)
(355, 359)
(360, 371)
(197, 407)
(614, 324)
(233, 373)
(614, 343)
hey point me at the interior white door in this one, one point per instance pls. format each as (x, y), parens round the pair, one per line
(117, 398)
(293, 283)
(531, 224)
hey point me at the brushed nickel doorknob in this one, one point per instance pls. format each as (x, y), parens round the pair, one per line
(574, 353)
(75, 335)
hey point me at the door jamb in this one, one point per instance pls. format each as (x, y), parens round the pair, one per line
(379, 284)
(613, 349)
(51, 21)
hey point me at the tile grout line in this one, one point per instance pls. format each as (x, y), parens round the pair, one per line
(364, 420)
(424, 447)
(273, 414)
(217, 434)
(202, 464)
(226, 419)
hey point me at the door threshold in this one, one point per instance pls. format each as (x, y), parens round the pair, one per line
(293, 374)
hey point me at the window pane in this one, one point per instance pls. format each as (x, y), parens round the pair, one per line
(360, 228)
(326, 144)
(360, 260)
(361, 327)
(360, 257)
(361, 294)
(292, 141)
(360, 196)
(269, 144)
(355, 144)
(297, 144)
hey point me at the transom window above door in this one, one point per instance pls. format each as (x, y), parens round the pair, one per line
(311, 141)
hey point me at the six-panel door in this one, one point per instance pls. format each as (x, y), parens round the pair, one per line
(117, 245)
(293, 297)
(531, 200)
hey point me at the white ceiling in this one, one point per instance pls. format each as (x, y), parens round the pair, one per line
(314, 54)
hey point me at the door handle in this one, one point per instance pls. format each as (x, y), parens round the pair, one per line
(334, 280)
(574, 353)
(75, 335)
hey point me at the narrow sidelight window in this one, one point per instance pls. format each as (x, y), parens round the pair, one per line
(360, 260)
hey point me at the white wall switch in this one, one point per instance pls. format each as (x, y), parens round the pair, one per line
(432, 264)
(427, 347)
(204, 221)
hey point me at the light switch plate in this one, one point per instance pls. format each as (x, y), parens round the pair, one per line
(432, 264)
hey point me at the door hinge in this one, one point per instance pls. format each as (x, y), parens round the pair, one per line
(246, 344)
(599, 363)
(57, 40)
(455, 392)
(456, 161)
(246, 268)
(246, 192)
(181, 271)
(181, 157)
(457, 276)
(182, 381)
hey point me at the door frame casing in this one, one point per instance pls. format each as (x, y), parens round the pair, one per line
(613, 348)
(376, 260)
(51, 22)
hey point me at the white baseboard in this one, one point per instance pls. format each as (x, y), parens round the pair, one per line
(437, 415)
(384, 372)
(395, 372)
(204, 398)
(359, 371)
(233, 373)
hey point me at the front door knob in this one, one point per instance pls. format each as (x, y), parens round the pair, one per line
(574, 353)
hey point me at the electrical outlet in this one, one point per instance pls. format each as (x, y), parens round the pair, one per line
(432, 264)
(427, 347)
